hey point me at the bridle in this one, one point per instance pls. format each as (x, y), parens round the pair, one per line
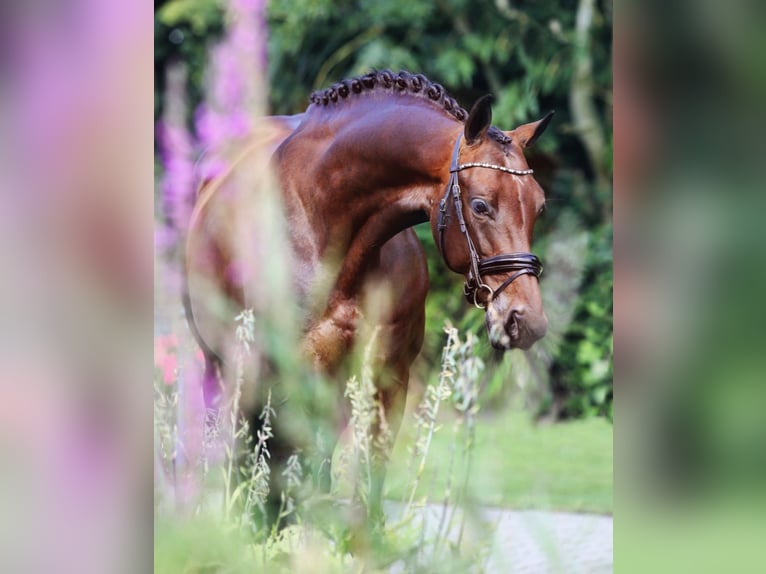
(521, 263)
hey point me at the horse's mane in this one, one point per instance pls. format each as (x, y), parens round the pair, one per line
(386, 81)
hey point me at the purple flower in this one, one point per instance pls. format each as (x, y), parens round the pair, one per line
(237, 74)
(178, 182)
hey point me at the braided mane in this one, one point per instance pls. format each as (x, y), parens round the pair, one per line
(386, 81)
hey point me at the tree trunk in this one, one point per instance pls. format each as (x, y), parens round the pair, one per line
(584, 114)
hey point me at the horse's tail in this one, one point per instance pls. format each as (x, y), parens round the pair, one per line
(209, 353)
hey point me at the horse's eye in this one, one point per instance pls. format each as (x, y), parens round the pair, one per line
(479, 207)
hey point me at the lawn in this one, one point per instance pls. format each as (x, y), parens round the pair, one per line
(518, 464)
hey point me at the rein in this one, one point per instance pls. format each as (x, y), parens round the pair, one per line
(521, 263)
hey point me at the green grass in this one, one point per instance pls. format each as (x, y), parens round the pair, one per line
(518, 464)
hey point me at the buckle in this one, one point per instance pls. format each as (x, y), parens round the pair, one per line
(443, 217)
(490, 295)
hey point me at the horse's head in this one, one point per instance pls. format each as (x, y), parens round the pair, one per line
(483, 226)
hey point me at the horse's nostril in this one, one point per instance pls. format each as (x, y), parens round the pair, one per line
(517, 314)
(513, 323)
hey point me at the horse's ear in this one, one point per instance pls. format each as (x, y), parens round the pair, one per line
(479, 119)
(527, 134)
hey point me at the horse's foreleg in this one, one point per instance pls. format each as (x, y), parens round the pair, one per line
(391, 399)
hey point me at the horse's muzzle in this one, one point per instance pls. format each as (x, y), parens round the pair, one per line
(520, 329)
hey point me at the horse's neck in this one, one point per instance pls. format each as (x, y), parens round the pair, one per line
(376, 173)
(371, 159)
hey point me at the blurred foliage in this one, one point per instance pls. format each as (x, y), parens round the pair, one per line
(522, 53)
(184, 30)
(582, 372)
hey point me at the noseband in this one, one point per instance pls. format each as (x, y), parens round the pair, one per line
(521, 263)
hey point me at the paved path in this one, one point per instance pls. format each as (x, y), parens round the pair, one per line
(538, 542)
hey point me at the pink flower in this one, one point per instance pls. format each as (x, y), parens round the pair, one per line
(166, 357)
(166, 350)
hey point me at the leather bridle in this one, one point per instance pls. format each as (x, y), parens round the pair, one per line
(521, 263)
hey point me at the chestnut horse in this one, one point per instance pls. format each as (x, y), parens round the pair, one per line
(368, 159)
